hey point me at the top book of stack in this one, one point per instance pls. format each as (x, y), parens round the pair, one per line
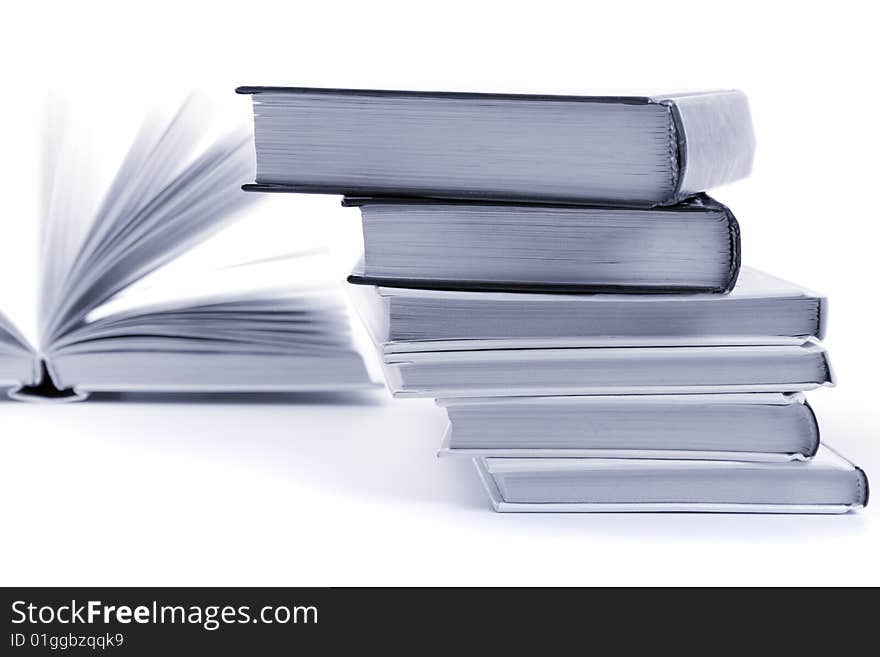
(602, 150)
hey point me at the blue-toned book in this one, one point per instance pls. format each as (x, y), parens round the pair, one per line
(612, 150)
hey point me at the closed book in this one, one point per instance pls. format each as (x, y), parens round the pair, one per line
(761, 309)
(613, 150)
(752, 426)
(604, 371)
(828, 483)
(688, 247)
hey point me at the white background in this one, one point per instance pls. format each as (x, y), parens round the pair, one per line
(348, 491)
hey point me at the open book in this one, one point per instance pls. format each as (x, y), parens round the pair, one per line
(168, 195)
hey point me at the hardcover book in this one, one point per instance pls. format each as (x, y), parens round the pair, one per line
(827, 483)
(761, 309)
(611, 150)
(744, 427)
(692, 246)
(604, 371)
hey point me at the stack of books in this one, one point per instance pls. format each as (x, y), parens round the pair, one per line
(550, 269)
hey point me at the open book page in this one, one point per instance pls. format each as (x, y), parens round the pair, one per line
(16, 355)
(165, 198)
(11, 339)
(274, 273)
(273, 324)
(243, 307)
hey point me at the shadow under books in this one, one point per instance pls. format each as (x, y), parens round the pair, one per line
(747, 528)
(312, 397)
(46, 391)
(359, 443)
(370, 447)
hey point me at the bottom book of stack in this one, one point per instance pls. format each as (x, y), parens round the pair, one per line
(827, 483)
(753, 453)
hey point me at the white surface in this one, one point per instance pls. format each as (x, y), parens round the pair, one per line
(164, 493)
(102, 493)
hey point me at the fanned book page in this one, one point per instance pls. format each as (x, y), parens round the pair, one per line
(169, 194)
(17, 363)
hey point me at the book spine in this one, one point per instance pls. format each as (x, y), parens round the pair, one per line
(817, 434)
(716, 141)
(829, 378)
(821, 318)
(46, 387)
(864, 487)
(735, 249)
